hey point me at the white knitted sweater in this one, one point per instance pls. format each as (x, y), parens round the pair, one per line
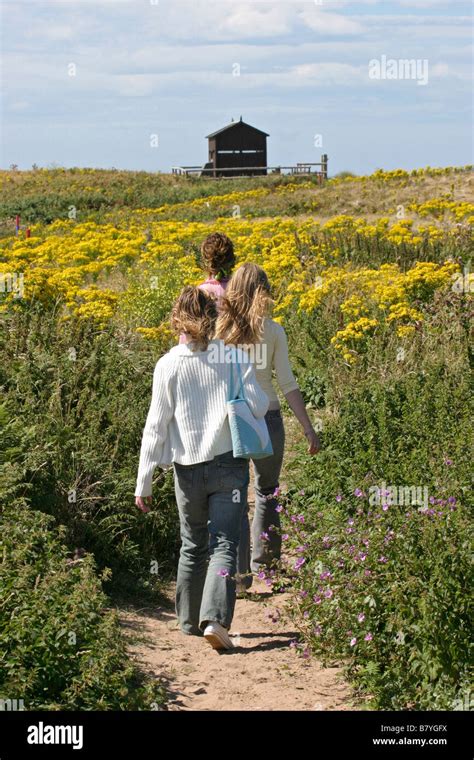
(187, 420)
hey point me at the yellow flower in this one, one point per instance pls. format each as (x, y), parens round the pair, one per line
(162, 332)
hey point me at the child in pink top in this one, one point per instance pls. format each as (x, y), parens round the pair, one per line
(215, 288)
(218, 260)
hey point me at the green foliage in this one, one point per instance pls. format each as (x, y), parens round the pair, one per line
(75, 399)
(404, 568)
(344, 175)
(150, 296)
(47, 194)
(386, 591)
(61, 645)
(83, 396)
(44, 195)
(62, 649)
(313, 389)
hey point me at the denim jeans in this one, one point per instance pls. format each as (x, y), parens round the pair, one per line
(266, 520)
(210, 498)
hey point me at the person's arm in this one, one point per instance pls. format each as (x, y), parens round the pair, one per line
(298, 407)
(155, 432)
(289, 388)
(256, 398)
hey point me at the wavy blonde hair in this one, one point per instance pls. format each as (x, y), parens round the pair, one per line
(195, 314)
(243, 309)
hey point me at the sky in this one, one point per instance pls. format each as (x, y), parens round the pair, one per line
(138, 84)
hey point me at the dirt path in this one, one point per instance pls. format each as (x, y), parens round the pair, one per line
(262, 673)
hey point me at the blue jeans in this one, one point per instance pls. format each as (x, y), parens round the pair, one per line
(266, 520)
(210, 498)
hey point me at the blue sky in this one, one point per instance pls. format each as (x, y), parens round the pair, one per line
(167, 68)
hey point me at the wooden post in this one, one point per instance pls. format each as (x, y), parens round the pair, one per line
(324, 166)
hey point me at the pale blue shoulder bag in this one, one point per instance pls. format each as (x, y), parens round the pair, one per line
(250, 437)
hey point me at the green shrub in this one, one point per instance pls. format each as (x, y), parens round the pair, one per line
(386, 591)
(405, 568)
(61, 647)
(83, 396)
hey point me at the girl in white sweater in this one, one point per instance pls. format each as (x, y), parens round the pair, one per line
(187, 427)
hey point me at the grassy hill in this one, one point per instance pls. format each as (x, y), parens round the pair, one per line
(371, 281)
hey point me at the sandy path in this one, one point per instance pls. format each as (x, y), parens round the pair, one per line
(262, 673)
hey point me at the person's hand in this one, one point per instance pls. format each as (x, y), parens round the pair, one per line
(143, 503)
(314, 446)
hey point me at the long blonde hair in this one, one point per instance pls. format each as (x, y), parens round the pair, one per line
(243, 309)
(195, 313)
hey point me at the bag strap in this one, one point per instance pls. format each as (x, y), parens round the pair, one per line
(241, 385)
(232, 392)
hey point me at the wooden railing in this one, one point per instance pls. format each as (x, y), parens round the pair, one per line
(216, 172)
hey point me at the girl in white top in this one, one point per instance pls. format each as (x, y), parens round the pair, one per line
(244, 321)
(187, 426)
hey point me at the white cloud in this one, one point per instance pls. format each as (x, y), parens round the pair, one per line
(50, 32)
(211, 20)
(141, 64)
(19, 105)
(250, 21)
(310, 75)
(330, 23)
(327, 74)
(75, 4)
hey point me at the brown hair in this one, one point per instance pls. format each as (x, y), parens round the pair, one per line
(243, 309)
(195, 314)
(218, 256)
